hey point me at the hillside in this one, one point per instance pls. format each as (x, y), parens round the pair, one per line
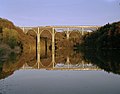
(13, 37)
(15, 48)
(106, 37)
(101, 47)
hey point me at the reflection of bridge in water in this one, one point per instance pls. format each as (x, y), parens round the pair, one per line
(81, 65)
(53, 30)
(61, 66)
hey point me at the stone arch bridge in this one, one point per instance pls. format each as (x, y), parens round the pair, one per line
(53, 30)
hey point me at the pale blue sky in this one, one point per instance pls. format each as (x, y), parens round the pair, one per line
(60, 12)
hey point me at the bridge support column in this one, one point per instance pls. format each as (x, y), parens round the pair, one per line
(53, 46)
(23, 29)
(38, 64)
(82, 31)
(83, 64)
(38, 45)
(68, 61)
(68, 34)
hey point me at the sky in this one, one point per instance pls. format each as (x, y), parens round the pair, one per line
(60, 12)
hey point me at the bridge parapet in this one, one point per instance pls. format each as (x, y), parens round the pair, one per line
(66, 29)
(65, 67)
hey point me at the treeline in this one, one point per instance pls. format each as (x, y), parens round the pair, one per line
(9, 34)
(14, 37)
(101, 47)
(106, 37)
(15, 48)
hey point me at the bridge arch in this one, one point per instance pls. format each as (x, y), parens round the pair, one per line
(46, 33)
(31, 30)
(75, 36)
(51, 30)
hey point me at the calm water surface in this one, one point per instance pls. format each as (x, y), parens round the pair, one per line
(79, 73)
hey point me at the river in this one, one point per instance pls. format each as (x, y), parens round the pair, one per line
(71, 72)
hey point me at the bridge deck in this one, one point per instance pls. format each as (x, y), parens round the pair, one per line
(88, 26)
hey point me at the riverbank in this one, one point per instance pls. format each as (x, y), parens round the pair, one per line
(106, 37)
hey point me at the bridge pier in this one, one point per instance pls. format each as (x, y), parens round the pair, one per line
(82, 31)
(68, 61)
(53, 46)
(68, 33)
(38, 45)
(83, 64)
(23, 29)
(38, 32)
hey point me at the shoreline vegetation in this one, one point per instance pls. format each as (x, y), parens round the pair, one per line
(13, 40)
(106, 37)
(16, 48)
(102, 48)
(106, 59)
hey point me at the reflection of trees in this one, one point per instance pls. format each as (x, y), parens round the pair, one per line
(14, 62)
(109, 60)
(7, 65)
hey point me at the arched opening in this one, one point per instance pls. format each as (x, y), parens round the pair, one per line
(74, 37)
(45, 47)
(33, 43)
(32, 33)
(59, 40)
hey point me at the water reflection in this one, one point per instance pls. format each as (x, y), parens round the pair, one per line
(7, 64)
(41, 77)
(64, 59)
(108, 60)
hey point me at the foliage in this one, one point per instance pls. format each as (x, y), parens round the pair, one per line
(10, 34)
(12, 57)
(10, 37)
(1, 52)
(105, 59)
(12, 42)
(6, 23)
(107, 36)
